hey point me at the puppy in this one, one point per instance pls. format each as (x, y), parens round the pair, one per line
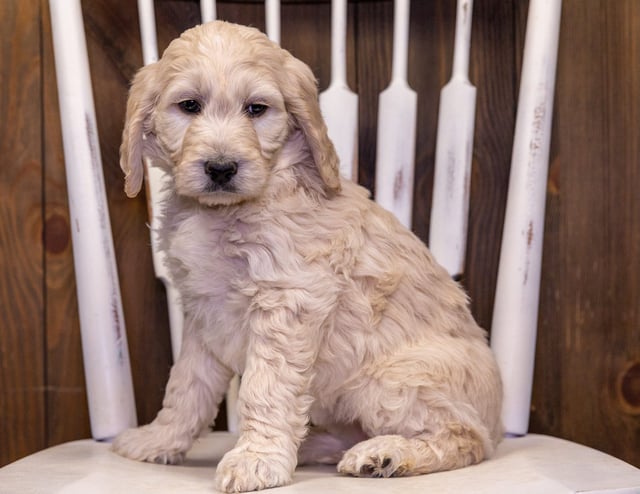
(347, 334)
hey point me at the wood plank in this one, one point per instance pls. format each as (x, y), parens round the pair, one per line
(620, 375)
(588, 391)
(374, 25)
(581, 118)
(22, 405)
(306, 33)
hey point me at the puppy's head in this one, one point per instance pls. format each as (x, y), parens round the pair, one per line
(216, 110)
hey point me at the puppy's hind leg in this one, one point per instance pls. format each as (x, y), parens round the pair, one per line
(395, 456)
(195, 389)
(424, 412)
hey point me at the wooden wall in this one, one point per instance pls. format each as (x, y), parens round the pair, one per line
(587, 380)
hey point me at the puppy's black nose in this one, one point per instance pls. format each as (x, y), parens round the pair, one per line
(221, 172)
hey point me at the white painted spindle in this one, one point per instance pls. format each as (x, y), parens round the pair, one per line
(208, 10)
(397, 127)
(102, 326)
(454, 149)
(272, 17)
(515, 314)
(338, 103)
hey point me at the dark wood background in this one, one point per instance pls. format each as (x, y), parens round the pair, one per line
(587, 380)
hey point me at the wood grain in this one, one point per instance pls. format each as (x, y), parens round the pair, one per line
(588, 358)
(373, 48)
(589, 336)
(22, 404)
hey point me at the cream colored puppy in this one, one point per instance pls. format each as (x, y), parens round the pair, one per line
(333, 313)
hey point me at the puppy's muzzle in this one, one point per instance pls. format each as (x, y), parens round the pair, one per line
(221, 172)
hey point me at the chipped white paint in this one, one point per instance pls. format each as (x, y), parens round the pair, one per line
(104, 341)
(208, 10)
(339, 105)
(272, 20)
(454, 146)
(515, 315)
(397, 127)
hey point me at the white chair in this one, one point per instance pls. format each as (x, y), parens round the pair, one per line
(524, 463)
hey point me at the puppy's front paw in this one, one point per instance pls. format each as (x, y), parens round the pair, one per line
(151, 443)
(242, 471)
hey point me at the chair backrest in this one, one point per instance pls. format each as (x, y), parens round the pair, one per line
(513, 331)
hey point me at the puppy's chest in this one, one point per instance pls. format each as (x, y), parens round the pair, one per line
(219, 265)
(205, 263)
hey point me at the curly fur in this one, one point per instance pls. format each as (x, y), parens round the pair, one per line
(333, 313)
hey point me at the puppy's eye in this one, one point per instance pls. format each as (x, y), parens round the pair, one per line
(190, 106)
(255, 110)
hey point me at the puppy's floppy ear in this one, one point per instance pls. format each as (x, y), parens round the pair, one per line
(301, 99)
(135, 138)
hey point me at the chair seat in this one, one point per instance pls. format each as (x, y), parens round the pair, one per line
(531, 464)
